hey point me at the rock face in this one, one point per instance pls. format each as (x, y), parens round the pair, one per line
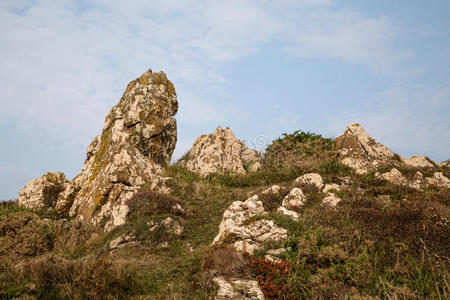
(418, 161)
(43, 192)
(138, 137)
(360, 151)
(221, 152)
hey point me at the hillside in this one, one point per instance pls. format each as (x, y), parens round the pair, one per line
(310, 218)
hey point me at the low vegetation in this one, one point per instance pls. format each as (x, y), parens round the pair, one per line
(381, 242)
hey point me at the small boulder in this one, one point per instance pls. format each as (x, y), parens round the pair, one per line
(289, 213)
(294, 200)
(394, 176)
(238, 288)
(311, 178)
(172, 226)
(438, 180)
(221, 152)
(43, 192)
(331, 200)
(331, 186)
(418, 161)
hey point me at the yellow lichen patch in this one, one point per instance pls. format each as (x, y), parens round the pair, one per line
(98, 198)
(100, 155)
(144, 79)
(161, 79)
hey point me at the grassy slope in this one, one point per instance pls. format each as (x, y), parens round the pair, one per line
(367, 247)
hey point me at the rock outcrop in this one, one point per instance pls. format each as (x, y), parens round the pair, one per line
(220, 152)
(248, 237)
(138, 138)
(43, 192)
(360, 151)
(312, 179)
(238, 288)
(438, 180)
(418, 161)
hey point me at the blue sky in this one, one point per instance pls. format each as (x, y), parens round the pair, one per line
(260, 67)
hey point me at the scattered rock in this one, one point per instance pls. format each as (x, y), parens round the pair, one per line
(43, 192)
(331, 200)
(311, 178)
(294, 200)
(331, 186)
(221, 152)
(274, 189)
(345, 181)
(235, 288)
(360, 151)
(394, 176)
(418, 161)
(121, 241)
(172, 226)
(290, 213)
(438, 180)
(417, 181)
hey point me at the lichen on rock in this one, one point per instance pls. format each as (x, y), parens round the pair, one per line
(137, 140)
(361, 152)
(221, 152)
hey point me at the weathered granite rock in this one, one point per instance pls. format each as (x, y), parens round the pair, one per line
(172, 226)
(294, 200)
(248, 237)
(394, 176)
(138, 137)
(289, 213)
(438, 180)
(221, 152)
(418, 161)
(331, 200)
(238, 289)
(331, 186)
(43, 192)
(311, 178)
(360, 151)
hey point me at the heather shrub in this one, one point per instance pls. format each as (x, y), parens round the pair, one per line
(301, 151)
(149, 203)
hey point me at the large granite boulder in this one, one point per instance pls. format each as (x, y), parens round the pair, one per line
(361, 152)
(138, 138)
(220, 152)
(43, 192)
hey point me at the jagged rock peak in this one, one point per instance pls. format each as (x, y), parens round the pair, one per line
(138, 137)
(360, 151)
(221, 152)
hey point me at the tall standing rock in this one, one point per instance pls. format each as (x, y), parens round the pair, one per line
(221, 152)
(360, 151)
(138, 138)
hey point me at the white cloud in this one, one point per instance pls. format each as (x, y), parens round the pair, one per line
(64, 64)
